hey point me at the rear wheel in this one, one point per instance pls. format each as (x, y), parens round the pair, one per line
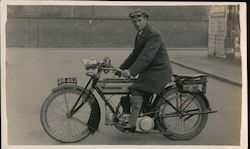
(55, 115)
(177, 116)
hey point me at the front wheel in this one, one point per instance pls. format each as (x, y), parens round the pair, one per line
(56, 120)
(179, 114)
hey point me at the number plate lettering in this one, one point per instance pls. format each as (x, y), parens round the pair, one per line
(61, 81)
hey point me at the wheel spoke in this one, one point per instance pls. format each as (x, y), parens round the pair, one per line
(65, 99)
(63, 129)
(180, 101)
(178, 125)
(189, 124)
(188, 103)
(176, 102)
(181, 124)
(185, 126)
(70, 129)
(79, 121)
(59, 106)
(56, 126)
(183, 103)
(56, 112)
(78, 127)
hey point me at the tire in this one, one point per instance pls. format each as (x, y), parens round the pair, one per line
(54, 117)
(181, 127)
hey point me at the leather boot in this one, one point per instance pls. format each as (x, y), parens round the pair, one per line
(136, 104)
(125, 103)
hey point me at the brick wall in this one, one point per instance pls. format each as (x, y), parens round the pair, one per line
(96, 26)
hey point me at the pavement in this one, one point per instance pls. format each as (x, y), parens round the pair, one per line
(218, 68)
(196, 59)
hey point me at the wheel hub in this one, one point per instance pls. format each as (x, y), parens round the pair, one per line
(68, 115)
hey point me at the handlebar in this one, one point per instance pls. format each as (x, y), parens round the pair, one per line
(114, 70)
(102, 66)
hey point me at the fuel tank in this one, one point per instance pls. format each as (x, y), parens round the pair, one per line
(115, 85)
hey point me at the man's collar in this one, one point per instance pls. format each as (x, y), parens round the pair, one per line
(143, 30)
(140, 32)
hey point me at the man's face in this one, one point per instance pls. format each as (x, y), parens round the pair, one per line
(139, 22)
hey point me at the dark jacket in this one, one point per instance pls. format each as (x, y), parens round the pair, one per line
(150, 60)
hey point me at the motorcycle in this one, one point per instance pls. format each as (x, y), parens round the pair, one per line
(71, 112)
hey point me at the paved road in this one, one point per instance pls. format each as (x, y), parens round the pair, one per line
(31, 73)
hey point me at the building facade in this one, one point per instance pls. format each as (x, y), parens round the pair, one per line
(224, 32)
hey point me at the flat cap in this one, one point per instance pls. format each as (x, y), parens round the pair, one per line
(139, 13)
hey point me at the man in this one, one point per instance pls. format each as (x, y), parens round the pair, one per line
(149, 60)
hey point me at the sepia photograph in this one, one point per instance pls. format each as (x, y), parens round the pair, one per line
(102, 74)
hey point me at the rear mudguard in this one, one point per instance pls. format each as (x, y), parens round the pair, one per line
(158, 98)
(94, 119)
(205, 100)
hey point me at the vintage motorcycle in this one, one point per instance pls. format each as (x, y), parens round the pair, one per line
(71, 112)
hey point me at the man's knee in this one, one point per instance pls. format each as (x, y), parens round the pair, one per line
(136, 99)
(135, 92)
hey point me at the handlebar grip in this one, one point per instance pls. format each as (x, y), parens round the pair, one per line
(118, 69)
(118, 72)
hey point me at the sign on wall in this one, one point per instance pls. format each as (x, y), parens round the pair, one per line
(217, 31)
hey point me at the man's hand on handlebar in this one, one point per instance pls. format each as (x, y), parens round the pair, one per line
(126, 73)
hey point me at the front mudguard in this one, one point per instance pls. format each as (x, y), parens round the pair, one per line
(94, 119)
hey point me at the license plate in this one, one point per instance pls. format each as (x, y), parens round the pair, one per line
(61, 81)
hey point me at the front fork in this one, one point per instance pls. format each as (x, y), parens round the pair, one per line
(76, 107)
